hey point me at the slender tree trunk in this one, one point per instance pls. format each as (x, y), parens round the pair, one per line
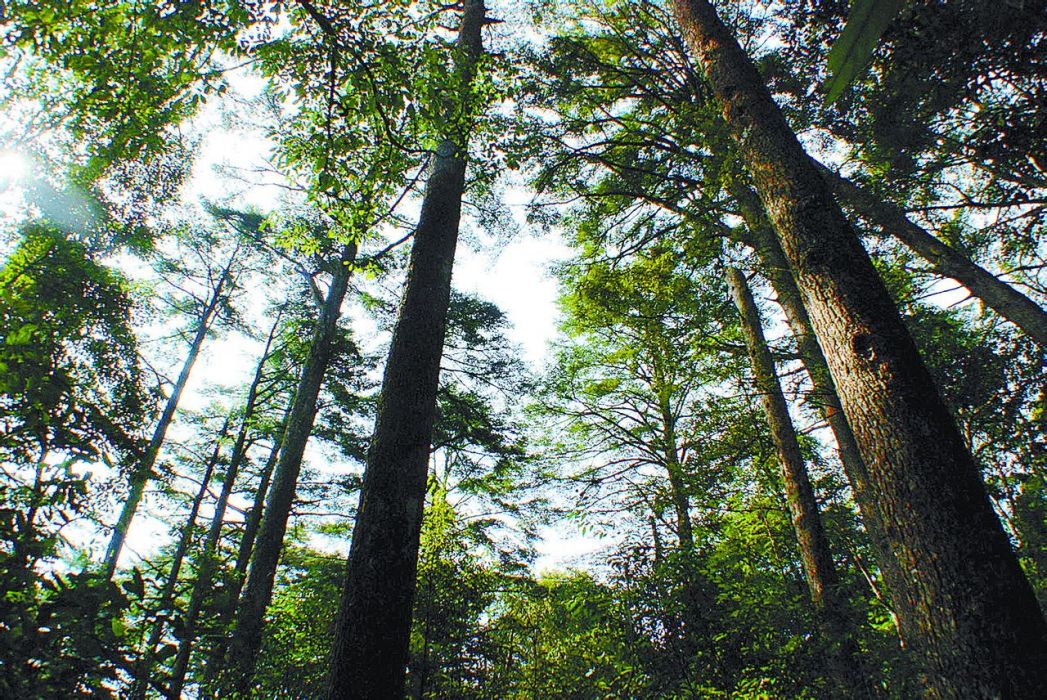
(776, 268)
(247, 635)
(243, 557)
(371, 642)
(965, 600)
(674, 470)
(999, 296)
(144, 469)
(823, 582)
(164, 602)
(209, 550)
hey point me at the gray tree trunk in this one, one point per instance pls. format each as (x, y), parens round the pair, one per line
(164, 605)
(143, 471)
(371, 642)
(823, 582)
(209, 550)
(247, 634)
(999, 296)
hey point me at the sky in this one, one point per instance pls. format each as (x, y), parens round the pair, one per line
(515, 274)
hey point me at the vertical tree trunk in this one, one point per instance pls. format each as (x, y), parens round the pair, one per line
(776, 268)
(371, 642)
(965, 600)
(819, 570)
(164, 602)
(252, 521)
(999, 296)
(144, 469)
(209, 550)
(247, 635)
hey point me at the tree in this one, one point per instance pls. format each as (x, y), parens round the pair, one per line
(71, 392)
(370, 652)
(219, 284)
(247, 636)
(819, 569)
(952, 548)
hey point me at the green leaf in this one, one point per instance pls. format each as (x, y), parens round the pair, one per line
(854, 49)
(118, 626)
(22, 336)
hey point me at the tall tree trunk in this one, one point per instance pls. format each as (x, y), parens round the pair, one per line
(247, 634)
(164, 601)
(144, 469)
(999, 296)
(252, 521)
(775, 267)
(965, 600)
(823, 582)
(674, 470)
(371, 641)
(209, 550)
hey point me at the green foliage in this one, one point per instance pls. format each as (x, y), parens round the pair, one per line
(70, 382)
(301, 616)
(129, 72)
(853, 50)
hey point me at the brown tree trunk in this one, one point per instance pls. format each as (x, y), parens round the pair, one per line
(823, 583)
(143, 471)
(965, 600)
(371, 642)
(775, 267)
(164, 602)
(999, 296)
(209, 550)
(247, 634)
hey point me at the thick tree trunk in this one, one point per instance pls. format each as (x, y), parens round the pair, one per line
(164, 602)
(999, 296)
(775, 267)
(247, 635)
(965, 601)
(209, 550)
(823, 583)
(371, 642)
(144, 469)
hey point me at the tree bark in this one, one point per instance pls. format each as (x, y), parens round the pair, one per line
(144, 470)
(209, 550)
(823, 583)
(371, 641)
(965, 600)
(247, 634)
(164, 603)
(999, 296)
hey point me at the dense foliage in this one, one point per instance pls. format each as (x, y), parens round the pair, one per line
(174, 356)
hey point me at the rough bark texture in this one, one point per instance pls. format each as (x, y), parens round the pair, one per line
(818, 567)
(965, 600)
(144, 469)
(164, 605)
(209, 551)
(247, 635)
(999, 296)
(371, 642)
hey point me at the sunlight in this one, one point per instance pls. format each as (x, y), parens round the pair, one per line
(13, 168)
